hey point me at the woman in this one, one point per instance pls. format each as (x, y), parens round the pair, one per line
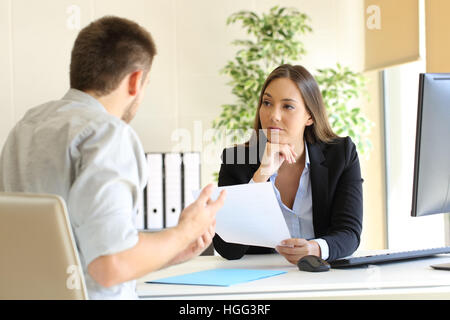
(315, 174)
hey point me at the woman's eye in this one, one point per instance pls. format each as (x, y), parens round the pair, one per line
(288, 106)
(266, 103)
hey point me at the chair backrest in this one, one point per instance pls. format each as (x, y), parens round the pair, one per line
(38, 253)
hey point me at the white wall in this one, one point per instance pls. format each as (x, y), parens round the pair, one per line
(193, 42)
(186, 89)
(6, 94)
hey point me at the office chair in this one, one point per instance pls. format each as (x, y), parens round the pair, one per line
(38, 255)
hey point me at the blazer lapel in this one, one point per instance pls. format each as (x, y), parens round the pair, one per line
(319, 188)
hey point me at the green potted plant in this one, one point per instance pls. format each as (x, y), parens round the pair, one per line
(275, 40)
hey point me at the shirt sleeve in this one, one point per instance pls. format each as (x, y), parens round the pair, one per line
(104, 193)
(324, 250)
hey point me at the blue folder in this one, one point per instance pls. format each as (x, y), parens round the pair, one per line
(219, 277)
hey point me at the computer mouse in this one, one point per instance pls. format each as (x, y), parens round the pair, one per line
(313, 264)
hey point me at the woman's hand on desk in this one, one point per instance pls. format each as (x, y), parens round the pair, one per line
(294, 249)
(274, 156)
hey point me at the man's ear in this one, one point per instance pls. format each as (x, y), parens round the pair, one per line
(135, 82)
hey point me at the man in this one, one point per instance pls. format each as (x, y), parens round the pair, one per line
(82, 148)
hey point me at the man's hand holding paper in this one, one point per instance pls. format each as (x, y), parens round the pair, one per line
(251, 215)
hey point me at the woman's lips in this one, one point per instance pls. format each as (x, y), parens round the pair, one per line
(274, 128)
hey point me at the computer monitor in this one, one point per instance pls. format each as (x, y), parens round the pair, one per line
(431, 186)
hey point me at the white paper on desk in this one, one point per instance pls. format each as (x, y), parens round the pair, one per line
(250, 215)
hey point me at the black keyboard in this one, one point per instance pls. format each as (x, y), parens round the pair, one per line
(387, 257)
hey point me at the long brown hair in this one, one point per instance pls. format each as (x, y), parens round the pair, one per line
(320, 130)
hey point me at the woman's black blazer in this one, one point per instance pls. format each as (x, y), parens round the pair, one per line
(337, 198)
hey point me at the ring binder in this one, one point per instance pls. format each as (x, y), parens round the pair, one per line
(154, 192)
(172, 188)
(191, 176)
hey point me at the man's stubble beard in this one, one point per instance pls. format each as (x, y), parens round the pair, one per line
(130, 111)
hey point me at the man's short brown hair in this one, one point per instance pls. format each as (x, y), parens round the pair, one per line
(106, 51)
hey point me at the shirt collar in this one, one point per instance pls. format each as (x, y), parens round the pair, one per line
(307, 163)
(84, 98)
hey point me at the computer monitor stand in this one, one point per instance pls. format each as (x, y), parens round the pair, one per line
(443, 266)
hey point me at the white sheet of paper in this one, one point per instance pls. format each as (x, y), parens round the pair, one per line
(250, 215)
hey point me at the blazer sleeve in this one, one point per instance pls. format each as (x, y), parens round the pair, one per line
(233, 174)
(343, 236)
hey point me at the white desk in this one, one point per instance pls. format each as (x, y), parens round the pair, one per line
(413, 279)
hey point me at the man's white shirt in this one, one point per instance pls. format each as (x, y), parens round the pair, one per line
(74, 148)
